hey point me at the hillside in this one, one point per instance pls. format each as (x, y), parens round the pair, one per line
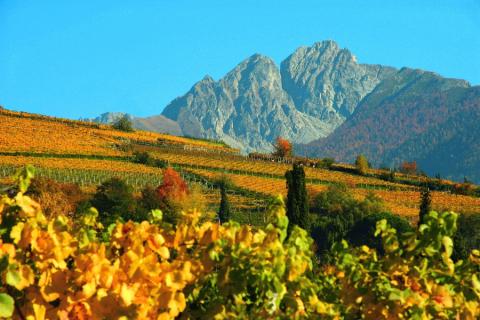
(126, 250)
(330, 105)
(158, 123)
(87, 153)
(413, 116)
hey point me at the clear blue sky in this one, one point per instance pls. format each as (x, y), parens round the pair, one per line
(81, 58)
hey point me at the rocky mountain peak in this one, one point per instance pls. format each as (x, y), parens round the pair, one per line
(326, 44)
(314, 91)
(327, 82)
(255, 65)
(207, 79)
(255, 73)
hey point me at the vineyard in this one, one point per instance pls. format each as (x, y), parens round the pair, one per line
(59, 268)
(274, 170)
(87, 154)
(32, 133)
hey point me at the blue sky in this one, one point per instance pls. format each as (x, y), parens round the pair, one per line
(82, 58)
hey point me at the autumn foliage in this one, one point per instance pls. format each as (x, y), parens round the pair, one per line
(283, 148)
(409, 167)
(59, 268)
(173, 187)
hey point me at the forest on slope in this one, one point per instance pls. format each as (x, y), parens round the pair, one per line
(414, 116)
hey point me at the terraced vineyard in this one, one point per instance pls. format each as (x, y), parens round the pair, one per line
(85, 172)
(33, 133)
(242, 165)
(87, 154)
(263, 185)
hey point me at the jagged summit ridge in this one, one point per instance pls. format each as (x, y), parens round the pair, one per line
(326, 81)
(247, 108)
(314, 91)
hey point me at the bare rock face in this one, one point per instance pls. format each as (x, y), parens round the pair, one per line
(315, 90)
(247, 109)
(326, 82)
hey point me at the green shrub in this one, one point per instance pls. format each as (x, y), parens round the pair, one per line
(388, 176)
(467, 236)
(143, 158)
(334, 214)
(114, 200)
(326, 163)
(363, 231)
(146, 158)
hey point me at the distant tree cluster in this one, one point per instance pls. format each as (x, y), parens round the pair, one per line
(114, 199)
(335, 214)
(123, 124)
(467, 236)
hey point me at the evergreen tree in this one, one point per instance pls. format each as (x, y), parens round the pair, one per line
(297, 198)
(425, 205)
(224, 210)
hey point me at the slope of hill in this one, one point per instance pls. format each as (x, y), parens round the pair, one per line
(158, 123)
(412, 116)
(88, 153)
(313, 92)
(24, 132)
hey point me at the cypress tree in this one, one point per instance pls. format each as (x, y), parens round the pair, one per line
(224, 210)
(297, 198)
(425, 205)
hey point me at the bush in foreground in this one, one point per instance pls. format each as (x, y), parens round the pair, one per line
(363, 231)
(114, 200)
(58, 269)
(335, 212)
(467, 237)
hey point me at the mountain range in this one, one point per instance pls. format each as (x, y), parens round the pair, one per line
(328, 104)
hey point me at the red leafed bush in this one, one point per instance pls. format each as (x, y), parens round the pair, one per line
(173, 187)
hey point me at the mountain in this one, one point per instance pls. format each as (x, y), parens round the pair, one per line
(313, 92)
(328, 104)
(247, 109)
(326, 82)
(413, 115)
(158, 123)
